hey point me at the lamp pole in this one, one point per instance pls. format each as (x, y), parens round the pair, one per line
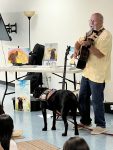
(29, 18)
(29, 14)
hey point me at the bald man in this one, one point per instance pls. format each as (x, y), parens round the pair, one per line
(95, 74)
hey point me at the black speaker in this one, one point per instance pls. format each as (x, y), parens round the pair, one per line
(35, 104)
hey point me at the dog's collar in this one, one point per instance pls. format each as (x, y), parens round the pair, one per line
(50, 93)
(47, 94)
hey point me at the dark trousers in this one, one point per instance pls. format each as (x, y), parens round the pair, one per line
(96, 90)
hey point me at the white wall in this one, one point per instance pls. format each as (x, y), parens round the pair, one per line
(61, 21)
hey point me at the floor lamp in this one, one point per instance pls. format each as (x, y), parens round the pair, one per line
(29, 14)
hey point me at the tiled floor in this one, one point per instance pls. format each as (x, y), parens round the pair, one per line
(31, 124)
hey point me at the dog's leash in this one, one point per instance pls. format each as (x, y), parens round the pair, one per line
(90, 129)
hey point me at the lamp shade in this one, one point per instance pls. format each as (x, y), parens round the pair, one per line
(29, 13)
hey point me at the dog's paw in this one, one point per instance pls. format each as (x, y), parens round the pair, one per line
(76, 133)
(44, 129)
(53, 128)
(64, 134)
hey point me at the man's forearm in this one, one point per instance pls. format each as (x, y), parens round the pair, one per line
(77, 45)
(76, 49)
(96, 52)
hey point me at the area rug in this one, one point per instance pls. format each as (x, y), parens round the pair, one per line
(17, 134)
(36, 145)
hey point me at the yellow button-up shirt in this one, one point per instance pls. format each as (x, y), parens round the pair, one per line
(99, 69)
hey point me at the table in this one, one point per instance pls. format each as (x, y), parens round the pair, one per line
(37, 68)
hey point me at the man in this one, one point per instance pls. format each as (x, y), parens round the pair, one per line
(95, 74)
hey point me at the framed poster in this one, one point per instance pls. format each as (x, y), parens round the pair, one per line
(51, 51)
(22, 95)
(18, 55)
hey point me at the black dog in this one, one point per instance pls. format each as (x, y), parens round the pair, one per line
(1, 110)
(60, 102)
